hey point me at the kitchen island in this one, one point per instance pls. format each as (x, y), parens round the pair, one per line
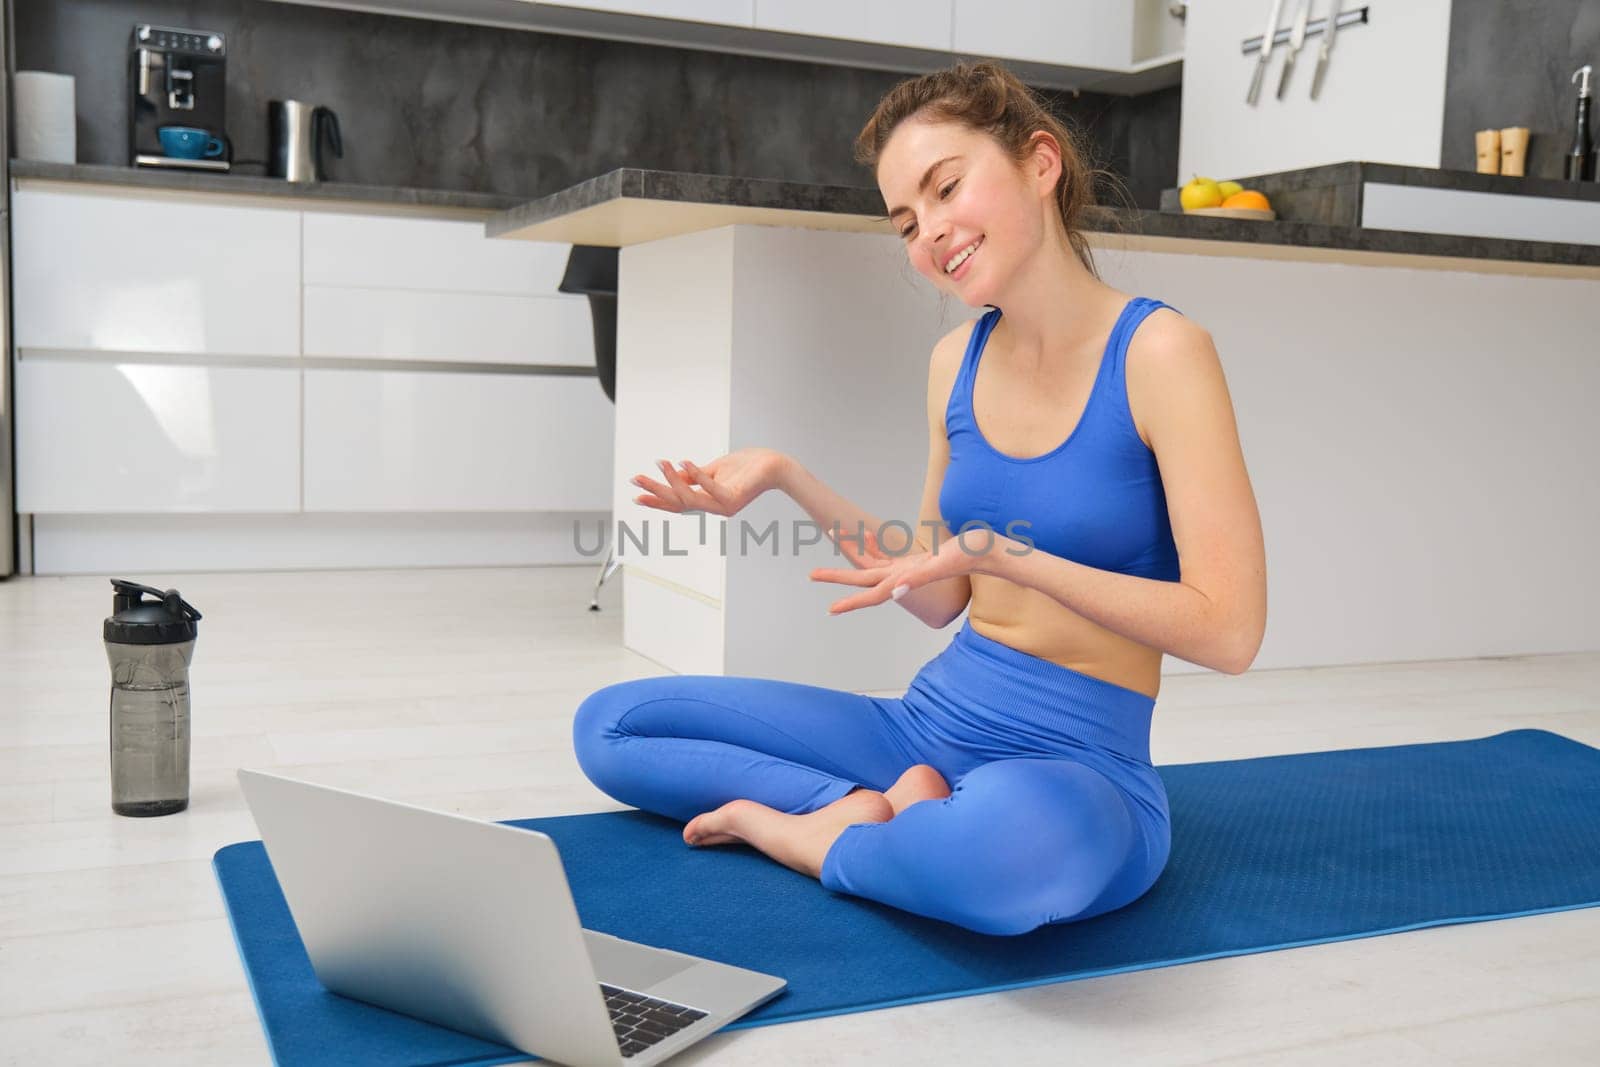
(1320, 218)
(1412, 407)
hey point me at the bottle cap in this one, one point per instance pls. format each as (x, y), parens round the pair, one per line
(1583, 72)
(166, 620)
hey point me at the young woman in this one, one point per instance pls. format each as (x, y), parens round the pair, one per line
(1085, 441)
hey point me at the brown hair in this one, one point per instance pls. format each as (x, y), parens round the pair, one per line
(990, 99)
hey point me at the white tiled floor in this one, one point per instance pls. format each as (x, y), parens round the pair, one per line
(454, 689)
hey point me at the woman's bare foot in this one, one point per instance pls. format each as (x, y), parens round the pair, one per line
(919, 783)
(797, 841)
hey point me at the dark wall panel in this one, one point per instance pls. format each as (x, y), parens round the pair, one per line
(442, 105)
(1511, 64)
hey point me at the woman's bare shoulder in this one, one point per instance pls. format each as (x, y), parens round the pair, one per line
(1166, 345)
(948, 350)
(943, 366)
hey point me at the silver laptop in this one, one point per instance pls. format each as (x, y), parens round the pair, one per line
(471, 924)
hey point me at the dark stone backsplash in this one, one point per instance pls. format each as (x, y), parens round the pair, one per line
(1511, 64)
(451, 106)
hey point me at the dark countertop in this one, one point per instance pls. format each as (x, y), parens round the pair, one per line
(1331, 194)
(1318, 209)
(680, 187)
(629, 205)
(330, 194)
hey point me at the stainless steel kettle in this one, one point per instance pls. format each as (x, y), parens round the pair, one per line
(295, 140)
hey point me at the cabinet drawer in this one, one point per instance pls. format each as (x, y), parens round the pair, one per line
(426, 441)
(445, 255)
(139, 437)
(452, 327)
(124, 274)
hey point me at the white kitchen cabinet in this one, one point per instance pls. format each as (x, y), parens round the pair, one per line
(1068, 33)
(1157, 33)
(107, 273)
(723, 12)
(147, 437)
(1128, 47)
(448, 327)
(380, 287)
(218, 428)
(905, 23)
(438, 441)
(389, 252)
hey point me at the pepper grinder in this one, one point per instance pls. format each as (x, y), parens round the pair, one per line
(1514, 150)
(1488, 151)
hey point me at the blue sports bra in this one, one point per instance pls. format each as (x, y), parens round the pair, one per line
(1096, 498)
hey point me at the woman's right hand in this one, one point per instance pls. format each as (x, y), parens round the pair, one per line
(721, 487)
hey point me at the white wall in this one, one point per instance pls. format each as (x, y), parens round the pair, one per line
(1421, 444)
(1382, 97)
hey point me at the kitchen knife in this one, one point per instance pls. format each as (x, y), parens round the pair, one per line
(1266, 52)
(1297, 37)
(1328, 31)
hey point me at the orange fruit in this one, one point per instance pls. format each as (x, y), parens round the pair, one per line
(1248, 198)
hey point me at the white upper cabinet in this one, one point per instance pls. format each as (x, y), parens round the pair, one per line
(723, 12)
(1068, 33)
(1157, 34)
(124, 274)
(907, 23)
(1114, 46)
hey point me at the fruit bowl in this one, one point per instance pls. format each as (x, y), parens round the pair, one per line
(1234, 213)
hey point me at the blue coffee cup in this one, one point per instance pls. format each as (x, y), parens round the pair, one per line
(190, 142)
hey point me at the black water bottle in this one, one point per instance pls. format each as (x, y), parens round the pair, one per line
(149, 644)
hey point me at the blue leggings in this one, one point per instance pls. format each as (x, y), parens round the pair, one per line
(1055, 814)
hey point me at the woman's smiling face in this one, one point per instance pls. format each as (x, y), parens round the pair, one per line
(966, 213)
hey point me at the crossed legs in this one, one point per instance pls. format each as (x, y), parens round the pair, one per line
(829, 783)
(802, 841)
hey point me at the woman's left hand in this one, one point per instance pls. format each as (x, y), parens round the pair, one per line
(891, 577)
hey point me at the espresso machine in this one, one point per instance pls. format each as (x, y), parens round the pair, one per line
(178, 81)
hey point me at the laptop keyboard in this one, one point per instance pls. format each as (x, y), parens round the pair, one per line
(640, 1021)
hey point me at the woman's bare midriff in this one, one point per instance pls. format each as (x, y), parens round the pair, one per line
(1032, 622)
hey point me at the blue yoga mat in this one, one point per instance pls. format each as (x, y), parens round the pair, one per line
(1266, 853)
